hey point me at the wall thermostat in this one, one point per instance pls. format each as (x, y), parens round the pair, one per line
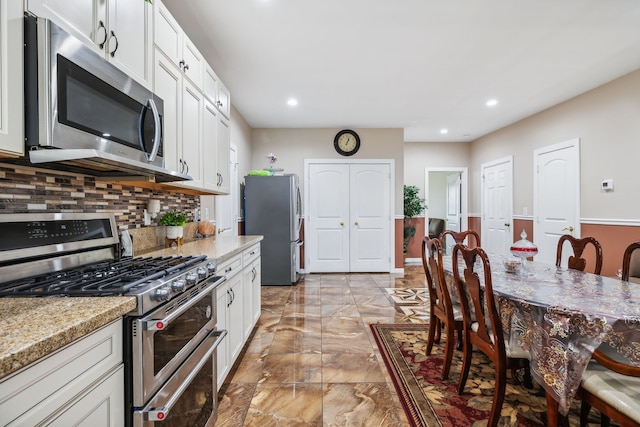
(607, 185)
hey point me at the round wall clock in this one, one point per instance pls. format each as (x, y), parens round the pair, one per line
(346, 142)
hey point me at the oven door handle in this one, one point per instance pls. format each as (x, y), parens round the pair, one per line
(160, 414)
(160, 324)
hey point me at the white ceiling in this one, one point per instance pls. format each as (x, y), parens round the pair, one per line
(421, 65)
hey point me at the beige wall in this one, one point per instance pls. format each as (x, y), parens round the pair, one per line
(421, 155)
(607, 122)
(293, 146)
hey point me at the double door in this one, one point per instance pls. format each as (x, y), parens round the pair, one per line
(348, 217)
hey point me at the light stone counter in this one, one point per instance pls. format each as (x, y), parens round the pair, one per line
(219, 248)
(31, 328)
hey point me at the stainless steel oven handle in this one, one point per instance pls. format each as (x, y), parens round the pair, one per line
(160, 414)
(160, 324)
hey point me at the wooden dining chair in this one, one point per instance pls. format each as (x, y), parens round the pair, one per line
(443, 312)
(460, 236)
(485, 333)
(576, 262)
(612, 386)
(631, 262)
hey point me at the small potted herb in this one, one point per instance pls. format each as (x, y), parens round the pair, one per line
(174, 220)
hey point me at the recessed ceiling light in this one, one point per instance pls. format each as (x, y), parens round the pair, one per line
(444, 131)
(292, 102)
(492, 103)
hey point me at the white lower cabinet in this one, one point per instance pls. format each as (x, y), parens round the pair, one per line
(229, 315)
(80, 385)
(251, 283)
(238, 305)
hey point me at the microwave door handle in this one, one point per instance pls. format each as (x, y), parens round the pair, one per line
(156, 136)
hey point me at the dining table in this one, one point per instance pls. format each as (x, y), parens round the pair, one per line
(561, 316)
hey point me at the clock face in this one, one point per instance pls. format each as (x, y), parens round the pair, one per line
(347, 142)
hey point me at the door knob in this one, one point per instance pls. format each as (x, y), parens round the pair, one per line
(341, 223)
(569, 228)
(356, 223)
(507, 225)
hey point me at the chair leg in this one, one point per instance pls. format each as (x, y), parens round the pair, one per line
(498, 397)
(528, 379)
(585, 408)
(438, 330)
(431, 335)
(448, 354)
(467, 349)
(459, 345)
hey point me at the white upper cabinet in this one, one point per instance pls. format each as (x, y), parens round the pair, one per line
(217, 92)
(11, 71)
(119, 30)
(174, 43)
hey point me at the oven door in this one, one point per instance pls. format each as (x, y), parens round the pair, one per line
(163, 339)
(190, 396)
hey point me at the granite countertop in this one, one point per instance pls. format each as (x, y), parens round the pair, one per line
(32, 328)
(219, 248)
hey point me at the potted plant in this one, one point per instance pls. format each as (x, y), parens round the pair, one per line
(174, 220)
(413, 206)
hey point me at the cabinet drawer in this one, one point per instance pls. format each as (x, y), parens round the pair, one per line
(230, 267)
(44, 387)
(250, 254)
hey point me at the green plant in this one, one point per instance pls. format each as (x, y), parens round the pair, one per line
(413, 206)
(173, 217)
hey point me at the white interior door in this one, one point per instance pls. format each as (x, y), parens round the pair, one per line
(327, 222)
(369, 246)
(453, 212)
(556, 201)
(227, 206)
(348, 217)
(497, 206)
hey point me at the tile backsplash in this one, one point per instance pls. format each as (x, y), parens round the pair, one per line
(26, 189)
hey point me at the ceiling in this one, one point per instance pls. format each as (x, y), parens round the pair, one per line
(420, 65)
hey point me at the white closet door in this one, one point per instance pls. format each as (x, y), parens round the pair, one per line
(348, 218)
(328, 222)
(369, 218)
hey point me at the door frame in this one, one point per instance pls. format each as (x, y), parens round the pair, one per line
(464, 194)
(392, 192)
(483, 166)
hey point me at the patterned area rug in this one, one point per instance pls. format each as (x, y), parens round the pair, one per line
(429, 401)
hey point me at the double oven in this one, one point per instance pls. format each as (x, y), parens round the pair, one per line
(171, 338)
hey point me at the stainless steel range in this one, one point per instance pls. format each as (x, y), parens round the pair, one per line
(170, 338)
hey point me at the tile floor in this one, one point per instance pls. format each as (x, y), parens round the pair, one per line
(312, 360)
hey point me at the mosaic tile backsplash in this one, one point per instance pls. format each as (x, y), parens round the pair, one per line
(26, 189)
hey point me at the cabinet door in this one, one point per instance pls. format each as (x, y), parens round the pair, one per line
(210, 84)
(102, 406)
(130, 40)
(224, 141)
(247, 301)
(210, 146)
(257, 291)
(222, 302)
(193, 62)
(11, 77)
(168, 86)
(235, 327)
(224, 100)
(192, 133)
(167, 34)
(85, 19)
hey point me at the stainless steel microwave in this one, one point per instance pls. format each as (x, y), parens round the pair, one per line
(84, 114)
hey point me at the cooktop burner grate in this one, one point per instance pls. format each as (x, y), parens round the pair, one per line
(105, 278)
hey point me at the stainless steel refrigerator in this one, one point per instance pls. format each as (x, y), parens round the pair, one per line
(273, 208)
